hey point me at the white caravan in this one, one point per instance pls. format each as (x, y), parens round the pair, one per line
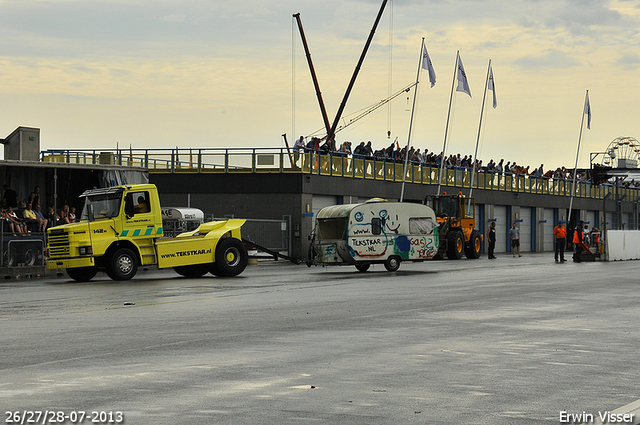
(376, 231)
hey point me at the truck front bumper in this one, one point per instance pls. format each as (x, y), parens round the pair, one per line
(70, 263)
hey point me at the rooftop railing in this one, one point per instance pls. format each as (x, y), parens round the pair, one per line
(282, 160)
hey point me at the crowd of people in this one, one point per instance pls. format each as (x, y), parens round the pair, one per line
(394, 152)
(26, 216)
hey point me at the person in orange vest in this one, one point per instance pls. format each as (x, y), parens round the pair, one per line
(560, 237)
(578, 240)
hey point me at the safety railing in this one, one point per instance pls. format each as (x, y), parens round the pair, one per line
(282, 160)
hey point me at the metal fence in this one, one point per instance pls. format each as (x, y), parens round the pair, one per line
(274, 235)
(282, 160)
(22, 251)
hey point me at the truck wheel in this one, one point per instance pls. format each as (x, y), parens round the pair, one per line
(82, 274)
(214, 270)
(231, 257)
(363, 267)
(192, 271)
(475, 245)
(455, 245)
(123, 265)
(392, 263)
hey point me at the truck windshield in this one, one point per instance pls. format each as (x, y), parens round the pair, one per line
(446, 206)
(104, 206)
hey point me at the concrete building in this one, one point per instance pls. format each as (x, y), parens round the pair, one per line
(288, 188)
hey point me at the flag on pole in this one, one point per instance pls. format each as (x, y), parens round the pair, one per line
(587, 110)
(463, 84)
(492, 87)
(426, 64)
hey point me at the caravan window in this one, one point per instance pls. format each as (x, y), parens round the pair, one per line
(421, 226)
(332, 228)
(376, 226)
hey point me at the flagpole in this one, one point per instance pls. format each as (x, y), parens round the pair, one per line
(446, 129)
(413, 107)
(475, 154)
(575, 167)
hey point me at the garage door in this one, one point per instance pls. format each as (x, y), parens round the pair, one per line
(590, 219)
(612, 221)
(525, 229)
(500, 213)
(319, 202)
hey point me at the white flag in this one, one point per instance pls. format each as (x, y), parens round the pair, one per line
(587, 110)
(463, 84)
(492, 87)
(426, 64)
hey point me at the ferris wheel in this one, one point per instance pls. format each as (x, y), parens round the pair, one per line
(623, 152)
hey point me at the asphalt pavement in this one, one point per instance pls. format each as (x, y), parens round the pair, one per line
(507, 341)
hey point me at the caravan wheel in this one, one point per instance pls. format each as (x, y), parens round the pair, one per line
(392, 263)
(363, 267)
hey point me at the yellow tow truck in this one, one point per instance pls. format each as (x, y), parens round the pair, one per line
(121, 229)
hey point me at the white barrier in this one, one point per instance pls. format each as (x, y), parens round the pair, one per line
(623, 244)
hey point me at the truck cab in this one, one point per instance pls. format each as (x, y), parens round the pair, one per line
(120, 229)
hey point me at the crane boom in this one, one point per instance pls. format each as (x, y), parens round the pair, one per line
(331, 132)
(316, 85)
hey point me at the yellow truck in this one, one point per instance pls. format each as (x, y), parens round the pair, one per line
(121, 229)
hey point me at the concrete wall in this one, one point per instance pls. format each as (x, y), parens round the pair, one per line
(23, 144)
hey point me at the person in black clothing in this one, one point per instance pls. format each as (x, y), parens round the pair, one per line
(34, 197)
(492, 240)
(390, 151)
(359, 150)
(10, 198)
(51, 216)
(368, 150)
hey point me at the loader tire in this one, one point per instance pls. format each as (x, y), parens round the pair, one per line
(455, 245)
(472, 250)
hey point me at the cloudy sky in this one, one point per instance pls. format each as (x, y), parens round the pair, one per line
(232, 73)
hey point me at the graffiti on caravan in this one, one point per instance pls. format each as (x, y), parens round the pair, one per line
(368, 247)
(376, 231)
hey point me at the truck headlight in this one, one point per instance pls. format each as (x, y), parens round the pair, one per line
(86, 250)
